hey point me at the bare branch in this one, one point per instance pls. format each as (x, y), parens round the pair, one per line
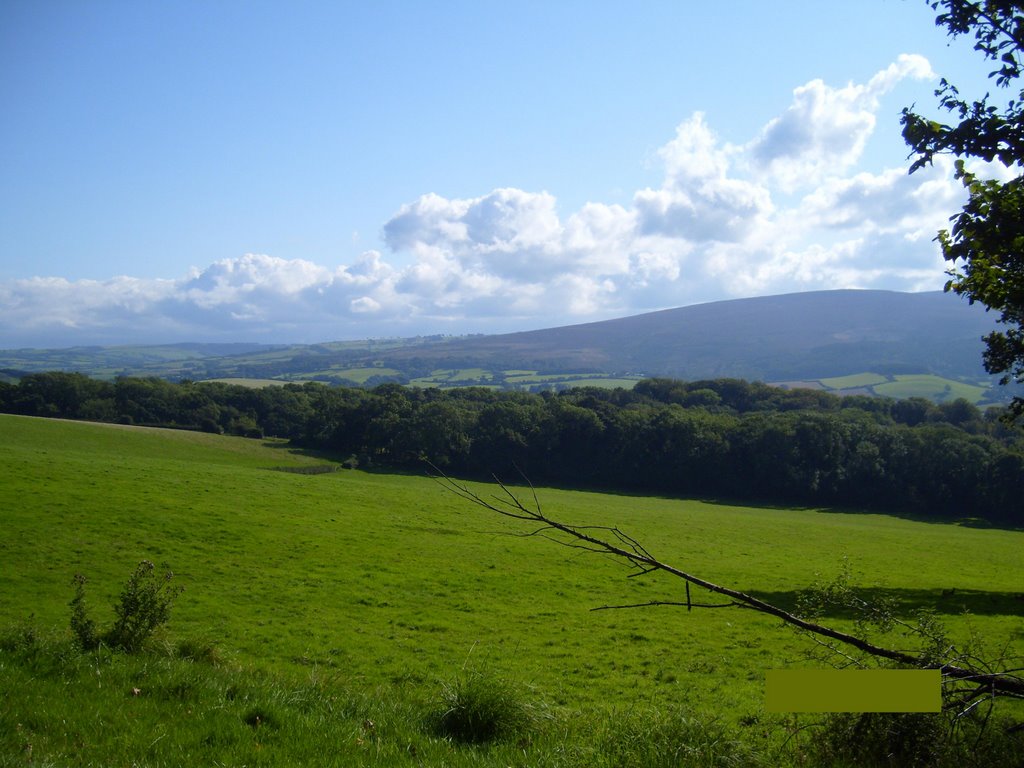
(624, 547)
(675, 603)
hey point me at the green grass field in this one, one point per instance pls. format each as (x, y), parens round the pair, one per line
(931, 387)
(935, 388)
(387, 586)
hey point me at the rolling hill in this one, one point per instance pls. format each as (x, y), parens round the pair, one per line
(792, 336)
(796, 337)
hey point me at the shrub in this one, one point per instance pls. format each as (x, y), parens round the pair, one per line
(935, 740)
(477, 708)
(881, 739)
(144, 605)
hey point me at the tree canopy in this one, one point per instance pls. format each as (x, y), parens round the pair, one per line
(985, 242)
(721, 438)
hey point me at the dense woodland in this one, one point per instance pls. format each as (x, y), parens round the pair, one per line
(724, 438)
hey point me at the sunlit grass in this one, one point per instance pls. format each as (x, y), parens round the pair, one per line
(386, 583)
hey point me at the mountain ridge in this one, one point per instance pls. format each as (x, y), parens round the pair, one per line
(770, 337)
(783, 337)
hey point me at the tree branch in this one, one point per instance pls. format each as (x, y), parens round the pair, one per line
(634, 554)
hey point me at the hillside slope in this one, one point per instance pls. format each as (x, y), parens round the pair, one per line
(773, 338)
(792, 336)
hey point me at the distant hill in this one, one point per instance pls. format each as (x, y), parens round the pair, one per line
(792, 336)
(798, 337)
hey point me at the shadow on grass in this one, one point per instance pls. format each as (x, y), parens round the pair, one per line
(284, 446)
(950, 601)
(965, 522)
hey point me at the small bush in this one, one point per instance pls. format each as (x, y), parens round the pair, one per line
(144, 605)
(478, 708)
(908, 740)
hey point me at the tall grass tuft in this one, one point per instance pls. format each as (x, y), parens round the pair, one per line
(673, 739)
(479, 707)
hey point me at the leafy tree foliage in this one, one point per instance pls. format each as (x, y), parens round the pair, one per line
(725, 438)
(985, 243)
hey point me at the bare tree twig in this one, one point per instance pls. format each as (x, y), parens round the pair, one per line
(674, 603)
(626, 548)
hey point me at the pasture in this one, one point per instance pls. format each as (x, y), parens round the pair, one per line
(900, 386)
(931, 387)
(384, 582)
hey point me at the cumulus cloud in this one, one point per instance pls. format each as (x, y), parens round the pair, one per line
(825, 129)
(787, 210)
(508, 232)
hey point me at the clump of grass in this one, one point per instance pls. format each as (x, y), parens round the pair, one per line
(479, 707)
(673, 739)
(44, 653)
(20, 639)
(199, 650)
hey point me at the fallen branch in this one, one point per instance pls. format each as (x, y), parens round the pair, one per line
(619, 545)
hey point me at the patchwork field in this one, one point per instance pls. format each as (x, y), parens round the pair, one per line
(378, 581)
(931, 387)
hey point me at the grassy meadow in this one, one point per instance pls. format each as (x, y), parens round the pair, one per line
(936, 388)
(931, 387)
(353, 599)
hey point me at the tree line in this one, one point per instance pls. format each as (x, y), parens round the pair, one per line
(726, 439)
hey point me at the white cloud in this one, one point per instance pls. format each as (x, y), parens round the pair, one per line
(364, 304)
(723, 222)
(825, 129)
(508, 232)
(714, 210)
(694, 154)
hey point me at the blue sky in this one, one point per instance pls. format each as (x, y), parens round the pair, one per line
(301, 172)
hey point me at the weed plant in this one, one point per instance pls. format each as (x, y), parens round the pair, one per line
(144, 605)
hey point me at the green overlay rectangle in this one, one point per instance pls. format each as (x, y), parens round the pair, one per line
(853, 690)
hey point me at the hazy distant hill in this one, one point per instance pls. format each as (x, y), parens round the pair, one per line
(793, 336)
(775, 338)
